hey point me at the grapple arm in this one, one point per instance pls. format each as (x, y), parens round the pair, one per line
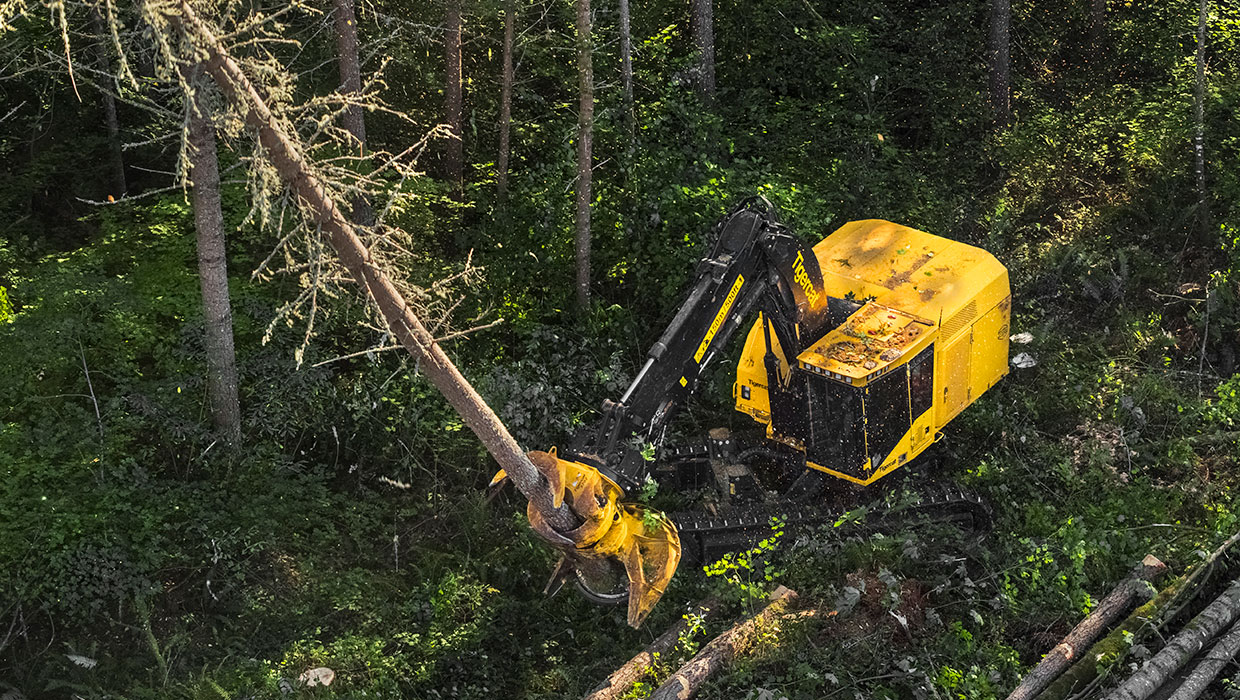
(641, 540)
(754, 262)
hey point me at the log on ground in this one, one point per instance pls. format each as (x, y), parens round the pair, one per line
(686, 682)
(1117, 602)
(1217, 616)
(623, 678)
(1210, 665)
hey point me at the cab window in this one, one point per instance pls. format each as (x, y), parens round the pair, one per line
(921, 382)
(887, 413)
(837, 439)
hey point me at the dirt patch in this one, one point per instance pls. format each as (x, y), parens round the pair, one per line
(898, 278)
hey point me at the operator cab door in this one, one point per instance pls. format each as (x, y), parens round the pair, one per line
(854, 430)
(837, 425)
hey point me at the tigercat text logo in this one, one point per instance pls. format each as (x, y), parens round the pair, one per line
(719, 318)
(802, 278)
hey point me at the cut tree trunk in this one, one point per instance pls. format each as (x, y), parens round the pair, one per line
(1210, 666)
(505, 105)
(454, 154)
(204, 176)
(623, 678)
(353, 119)
(585, 135)
(1183, 646)
(1111, 649)
(686, 682)
(1104, 615)
(286, 156)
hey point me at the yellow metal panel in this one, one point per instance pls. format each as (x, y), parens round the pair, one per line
(990, 348)
(922, 434)
(916, 272)
(751, 372)
(872, 341)
(951, 377)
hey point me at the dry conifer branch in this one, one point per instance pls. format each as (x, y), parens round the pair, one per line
(291, 166)
(1084, 634)
(623, 678)
(686, 682)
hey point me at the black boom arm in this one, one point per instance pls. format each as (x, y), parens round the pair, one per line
(755, 263)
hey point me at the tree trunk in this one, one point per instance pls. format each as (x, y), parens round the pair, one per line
(686, 682)
(116, 172)
(505, 105)
(204, 177)
(1108, 611)
(353, 119)
(1097, 29)
(454, 158)
(585, 134)
(623, 678)
(1000, 62)
(1183, 646)
(285, 155)
(1209, 666)
(703, 30)
(1199, 137)
(626, 77)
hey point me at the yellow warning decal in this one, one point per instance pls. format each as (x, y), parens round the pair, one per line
(719, 317)
(684, 382)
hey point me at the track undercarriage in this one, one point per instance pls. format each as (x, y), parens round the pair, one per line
(747, 482)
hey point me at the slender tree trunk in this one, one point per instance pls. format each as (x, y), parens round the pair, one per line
(117, 170)
(1000, 62)
(1217, 616)
(1199, 137)
(213, 276)
(505, 105)
(703, 30)
(1210, 665)
(285, 156)
(1097, 29)
(454, 158)
(623, 678)
(353, 119)
(626, 76)
(585, 135)
(1084, 634)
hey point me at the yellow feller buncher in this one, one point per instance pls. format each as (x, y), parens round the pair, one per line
(861, 349)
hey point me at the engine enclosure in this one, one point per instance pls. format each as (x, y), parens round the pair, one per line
(919, 331)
